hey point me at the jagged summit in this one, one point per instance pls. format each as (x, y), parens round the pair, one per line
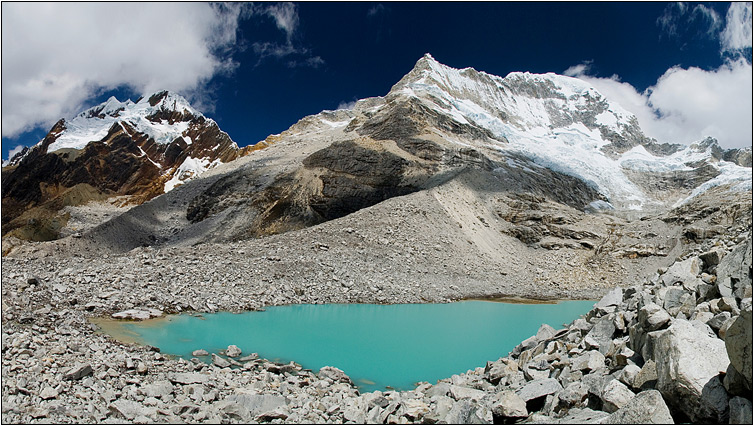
(163, 116)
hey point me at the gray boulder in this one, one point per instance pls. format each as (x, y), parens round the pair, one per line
(188, 378)
(545, 332)
(647, 407)
(601, 334)
(77, 372)
(500, 370)
(466, 412)
(590, 361)
(414, 409)
(628, 374)
(615, 395)
(711, 258)
(439, 409)
(717, 321)
(334, 374)
(681, 272)
(579, 416)
(260, 405)
(130, 409)
(574, 395)
(356, 410)
(652, 317)
(734, 268)
(158, 389)
(539, 388)
(138, 314)
(233, 351)
(613, 298)
(509, 405)
(740, 411)
(200, 352)
(647, 376)
(735, 383)
(220, 361)
(738, 342)
(672, 300)
(461, 392)
(688, 364)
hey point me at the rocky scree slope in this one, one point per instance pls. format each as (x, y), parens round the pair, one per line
(133, 150)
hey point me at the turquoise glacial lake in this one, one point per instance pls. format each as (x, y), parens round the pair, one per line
(376, 345)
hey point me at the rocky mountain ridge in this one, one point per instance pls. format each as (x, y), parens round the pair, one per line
(135, 150)
(544, 135)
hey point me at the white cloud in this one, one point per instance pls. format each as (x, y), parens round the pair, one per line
(579, 69)
(346, 105)
(56, 56)
(686, 105)
(15, 150)
(737, 34)
(286, 17)
(679, 18)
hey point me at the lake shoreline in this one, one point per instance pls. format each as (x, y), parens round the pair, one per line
(276, 334)
(58, 368)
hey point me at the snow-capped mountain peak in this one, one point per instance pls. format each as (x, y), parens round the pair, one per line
(559, 122)
(162, 115)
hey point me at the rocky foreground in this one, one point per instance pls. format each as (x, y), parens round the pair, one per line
(676, 348)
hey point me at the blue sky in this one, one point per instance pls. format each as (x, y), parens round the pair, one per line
(258, 68)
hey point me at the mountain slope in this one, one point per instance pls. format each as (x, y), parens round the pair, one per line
(139, 150)
(541, 135)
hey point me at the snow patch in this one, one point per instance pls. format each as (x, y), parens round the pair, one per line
(189, 169)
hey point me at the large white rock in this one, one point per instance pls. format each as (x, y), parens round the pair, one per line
(591, 361)
(333, 373)
(647, 407)
(138, 314)
(233, 351)
(539, 388)
(682, 272)
(508, 404)
(615, 395)
(689, 362)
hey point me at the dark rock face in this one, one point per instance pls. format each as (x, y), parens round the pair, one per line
(354, 177)
(742, 157)
(331, 183)
(124, 162)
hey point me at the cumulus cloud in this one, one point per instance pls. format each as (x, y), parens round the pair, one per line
(687, 105)
(737, 35)
(56, 56)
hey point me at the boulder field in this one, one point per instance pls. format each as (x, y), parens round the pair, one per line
(673, 349)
